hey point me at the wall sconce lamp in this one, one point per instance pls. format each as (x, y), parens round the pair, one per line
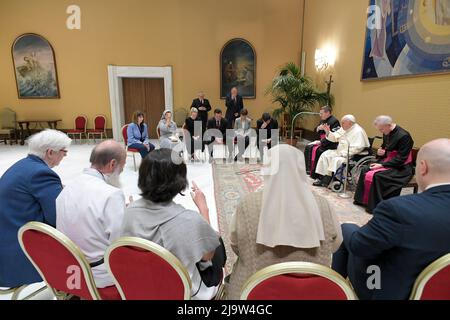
(325, 59)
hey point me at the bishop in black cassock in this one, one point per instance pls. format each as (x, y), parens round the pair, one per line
(395, 172)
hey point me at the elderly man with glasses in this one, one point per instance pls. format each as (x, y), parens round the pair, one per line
(28, 191)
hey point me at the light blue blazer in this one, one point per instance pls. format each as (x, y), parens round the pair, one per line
(135, 136)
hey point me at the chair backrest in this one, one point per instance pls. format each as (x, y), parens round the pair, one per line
(8, 119)
(81, 123)
(434, 282)
(125, 134)
(58, 260)
(100, 122)
(143, 270)
(297, 281)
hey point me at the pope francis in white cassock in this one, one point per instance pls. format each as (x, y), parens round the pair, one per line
(332, 160)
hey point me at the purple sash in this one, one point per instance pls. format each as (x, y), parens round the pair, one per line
(314, 152)
(368, 180)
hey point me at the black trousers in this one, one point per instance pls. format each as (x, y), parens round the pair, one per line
(261, 146)
(192, 145)
(242, 146)
(355, 268)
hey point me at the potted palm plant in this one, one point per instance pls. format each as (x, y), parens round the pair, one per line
(295, 93)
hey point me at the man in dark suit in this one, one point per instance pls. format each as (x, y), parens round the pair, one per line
(203, 106)
(28, 191)
(218, 122)
(264, 127)
(234, 104)
(406, 234)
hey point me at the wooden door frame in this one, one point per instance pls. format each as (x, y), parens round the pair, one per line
(115, 75)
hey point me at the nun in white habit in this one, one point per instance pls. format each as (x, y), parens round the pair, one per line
(168, 138)
(283, 223)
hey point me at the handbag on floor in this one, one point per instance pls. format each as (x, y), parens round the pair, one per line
(213, 275)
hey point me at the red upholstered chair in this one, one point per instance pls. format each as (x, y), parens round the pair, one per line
(80, 127)
(146, 271)
(434, 282)
(130, 151)
(61, 263)
(297, 281)
(99, 128)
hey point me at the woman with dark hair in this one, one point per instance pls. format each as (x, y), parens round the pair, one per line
(138, 135)
(185, 233)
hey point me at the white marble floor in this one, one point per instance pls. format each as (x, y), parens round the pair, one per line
(78, 158)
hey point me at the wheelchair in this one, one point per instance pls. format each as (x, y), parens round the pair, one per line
(356, 164)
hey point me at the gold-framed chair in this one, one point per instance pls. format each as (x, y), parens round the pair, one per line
(55, 257)
(80, 127)
(297, 281)
(99, 128)
(8, 126)
(143, 270)
(433, 283)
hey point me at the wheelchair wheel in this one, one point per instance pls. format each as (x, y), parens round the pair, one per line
(356, 170)
(337, 187)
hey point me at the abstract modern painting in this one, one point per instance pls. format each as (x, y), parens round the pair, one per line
(35, 68)
(238, 68)
(406, 38)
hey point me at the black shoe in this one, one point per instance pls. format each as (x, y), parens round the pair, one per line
(317, 183)
(326, 181)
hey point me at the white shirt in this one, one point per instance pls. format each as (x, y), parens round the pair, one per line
(90, 212)
(431, 186)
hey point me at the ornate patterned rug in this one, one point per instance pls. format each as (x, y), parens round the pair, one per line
(234, 182)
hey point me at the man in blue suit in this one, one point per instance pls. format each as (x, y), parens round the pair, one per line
(28, 191)
(406, 234)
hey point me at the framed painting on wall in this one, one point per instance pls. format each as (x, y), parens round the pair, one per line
(238, 68)
(35, 68)
(406, 38)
